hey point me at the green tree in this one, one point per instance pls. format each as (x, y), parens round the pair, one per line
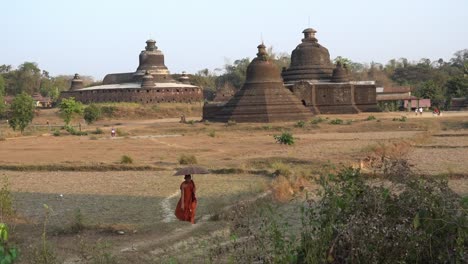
(28, 78)
(235, 74)
(457, 87)
(70, 108)
(22, 111)
(2, 95)
(92, 113)
(431, 91)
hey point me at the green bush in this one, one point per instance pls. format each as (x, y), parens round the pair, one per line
(92, 113)
(354, 221)
(369, 118)
(8, 253)
(317, 120)
(56, 133)
(212, 133)
(108, 110)
(285, 138)
(300, 124)
(125, 159)
(74, 132)
(185, 159)
(401, 119)
(336, 121)
(6, 199)
(98, 131)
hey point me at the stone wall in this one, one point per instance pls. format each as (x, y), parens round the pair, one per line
(137, 95)
(336, 98)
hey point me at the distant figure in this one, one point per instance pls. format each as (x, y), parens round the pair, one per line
(182, 119)
(187, 205)
(420, 110)
(113, 132)
(416, 111)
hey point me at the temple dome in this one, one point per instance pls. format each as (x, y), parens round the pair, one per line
(147, 81)
(152, 60)
(340, 73)
(261, 69)
(309, 60)
(76, 83)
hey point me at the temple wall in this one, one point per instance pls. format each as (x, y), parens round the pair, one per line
(336, 98)
(143, 96)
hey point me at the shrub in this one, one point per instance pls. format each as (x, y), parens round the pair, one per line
(74, 132)
(187, 159)
(6, 200)
(317, 120)
(125, 159)
(212, 133)
(285, 138)
(281, 168)
(300, 124)
(121, 133)
(401, 119)
(336, 121)
(369, 118)
(355, 221)
(231, 123)
(8, 254)
(98, 131)
(56, 133)
(92, 113)
(108, 110)
(77, 224)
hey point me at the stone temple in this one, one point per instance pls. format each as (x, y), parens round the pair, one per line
(262, 98)
(151, 83)
(323, 87)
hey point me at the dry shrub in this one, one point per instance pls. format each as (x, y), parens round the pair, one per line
(282, 189)
(186, 159)
(286, 188)
(281, 168)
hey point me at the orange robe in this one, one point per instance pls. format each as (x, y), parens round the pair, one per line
(190, 203)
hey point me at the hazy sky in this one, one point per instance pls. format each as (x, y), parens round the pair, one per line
(95, 37)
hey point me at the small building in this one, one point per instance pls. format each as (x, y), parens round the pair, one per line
(42, 101)
(399, 98)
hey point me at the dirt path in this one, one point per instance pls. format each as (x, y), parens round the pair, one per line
(167, 210)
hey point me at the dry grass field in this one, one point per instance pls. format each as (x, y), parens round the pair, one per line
(65, 172)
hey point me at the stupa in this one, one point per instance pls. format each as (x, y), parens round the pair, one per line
(262, 98)
(151, 83)
(323, 88)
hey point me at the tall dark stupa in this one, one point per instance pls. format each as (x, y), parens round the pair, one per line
(262, 98)
(322, 87)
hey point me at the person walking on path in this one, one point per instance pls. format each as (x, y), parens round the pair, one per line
(187, 205)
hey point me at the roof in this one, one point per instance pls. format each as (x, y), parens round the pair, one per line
(392, 97)
(136, 86)
(397, 89)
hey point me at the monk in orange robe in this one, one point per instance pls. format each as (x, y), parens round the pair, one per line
(185, 210)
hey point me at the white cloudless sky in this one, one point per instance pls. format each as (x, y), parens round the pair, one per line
(96, 37)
